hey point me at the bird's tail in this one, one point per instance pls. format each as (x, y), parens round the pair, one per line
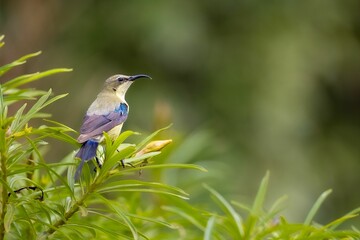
(86, 152)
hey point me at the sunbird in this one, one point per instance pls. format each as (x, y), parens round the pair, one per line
(107, 114)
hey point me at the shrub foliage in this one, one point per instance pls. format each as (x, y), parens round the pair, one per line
(41, 199)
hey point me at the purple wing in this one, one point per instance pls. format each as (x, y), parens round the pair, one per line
(95, 125)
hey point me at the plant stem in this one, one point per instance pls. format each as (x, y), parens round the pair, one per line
(4, 195)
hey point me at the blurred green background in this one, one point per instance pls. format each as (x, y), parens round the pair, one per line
(249, 85)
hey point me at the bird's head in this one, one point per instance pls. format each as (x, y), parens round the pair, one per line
(119, 83)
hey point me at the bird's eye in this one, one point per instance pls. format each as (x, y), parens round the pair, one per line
(120, 79)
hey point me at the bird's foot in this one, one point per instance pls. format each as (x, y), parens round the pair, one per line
(99, 165)
(98, 162)
(143, 164)
(123, 164)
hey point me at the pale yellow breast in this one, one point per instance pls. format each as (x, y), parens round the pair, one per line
(115, 132)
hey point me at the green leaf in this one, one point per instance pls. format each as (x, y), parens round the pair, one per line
(1, 40)
(28, 220)
(141, 157)
(17, 118)
(21, 80)
(165, 165)
(125, 185)
(34, 109)
(55, 132)
(182, 213)
(275, 208)
(145, 190)
(122, 215)
(40, 104)
(71, 170)
(339, 221)
(260, 196)
(334, 224)
(25, 168)
(111, 147)
(2, 108)
(2, 140)
(49, 170)
(229, 210)
(90, 227)
(7, 67)
(63, 165)
(6, 185)
(107, 217)
(115, 235)
(150, 137)
(15, 95)
(153, 220)
(63, 126)
(20, 61)
(74, 234)
(112, 162)
(316, 207)
(9, 217)
(209, 228)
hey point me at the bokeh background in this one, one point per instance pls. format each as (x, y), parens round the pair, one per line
(249, 85)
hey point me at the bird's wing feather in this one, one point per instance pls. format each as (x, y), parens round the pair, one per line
(95, 125)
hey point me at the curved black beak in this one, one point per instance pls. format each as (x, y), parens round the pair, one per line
(132, 78)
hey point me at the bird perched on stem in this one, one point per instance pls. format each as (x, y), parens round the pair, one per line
(107, 114)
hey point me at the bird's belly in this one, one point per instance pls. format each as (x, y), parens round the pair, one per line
(115, 132)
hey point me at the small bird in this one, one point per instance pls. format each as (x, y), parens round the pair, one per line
(107, 114)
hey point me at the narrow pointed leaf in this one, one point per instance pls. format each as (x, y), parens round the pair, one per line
(260, 196)
(209, 228)
(120, 213)
(111, 148)
(112, 162)
(334, 224)
(18, 115)
(141, 158)
(20, 61)
(229, 210)
(190, 218)
(166, 165)
(16, 82)
(150, 137)
(316, 207)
